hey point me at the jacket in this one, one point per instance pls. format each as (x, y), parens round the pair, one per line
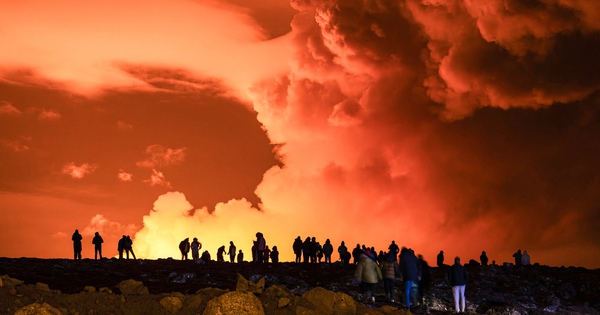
(367, 270)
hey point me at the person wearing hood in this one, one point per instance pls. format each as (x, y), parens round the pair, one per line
(369, 274)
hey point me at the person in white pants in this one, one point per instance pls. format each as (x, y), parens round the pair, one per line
(458, 280)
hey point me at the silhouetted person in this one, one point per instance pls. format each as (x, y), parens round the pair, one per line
(297, 247)
(240, 256)
(266, 254)
(389, 271)
(184, 248)
(327, 251)
(518, 257)
(525, 259)
(97, 241)
(306, 250)
(356, 252)
(440, 259)
(409, 267)
(261, 243)
(121, 246)
(220, 253)
(458, 277)
(483, 258)
(343, 250)
(394, 249)
(128, 246)
(76, 238)
(205, 256)
(312, 250)
(231, 252)
(254, 251)
(275, 255)
(425, 281)
(196, 246)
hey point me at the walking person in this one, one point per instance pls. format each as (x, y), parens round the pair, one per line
(389, 270)
(458, 280)
(231, 252)
(97, 241)
(369, 274)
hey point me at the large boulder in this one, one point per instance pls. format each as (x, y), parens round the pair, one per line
(38, 309)
(329, 302)
(132, 287)
(172, 304)
(234, 303)
(244, 285)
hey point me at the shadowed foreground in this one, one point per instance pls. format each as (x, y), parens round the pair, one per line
(188, 287)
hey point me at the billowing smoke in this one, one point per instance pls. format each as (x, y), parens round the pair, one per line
(455, 125)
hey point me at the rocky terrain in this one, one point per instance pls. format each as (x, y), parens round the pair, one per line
(58, 286)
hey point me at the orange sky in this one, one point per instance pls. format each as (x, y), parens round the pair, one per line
(457, 125)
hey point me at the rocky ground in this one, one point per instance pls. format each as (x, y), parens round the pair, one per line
(58, 286)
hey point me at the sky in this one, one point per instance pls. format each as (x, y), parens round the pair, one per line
(454, 125)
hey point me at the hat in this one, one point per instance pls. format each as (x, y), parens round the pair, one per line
(367, 252)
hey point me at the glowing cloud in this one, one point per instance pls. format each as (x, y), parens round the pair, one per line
(157, 179)
(162, 156)
(48, 115)
(124, 176)
(6, 108)
(107, 228)
(78, 172)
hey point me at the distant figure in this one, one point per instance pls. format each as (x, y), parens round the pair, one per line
(342, 250)
(254, 259)
(240, 257)
(483, 258)
(409, 267)
(425, 279)
(128, 246)
(261, 243)
(327, 251)
(369, 275)
(319, 252)
(266, 254)
(205, 256)
(312, 250)
(76, 238)
(184, 248)
(525, 259)
(356, 252)
(518, 257)
(196, 246)
(297, 247)
(306, 250)
(440, 259)
(231, 252)
(97, 241)
(389, 271)
(394, 249)
(458, 280)
(220, 253)
(121, 246)
(275, 255)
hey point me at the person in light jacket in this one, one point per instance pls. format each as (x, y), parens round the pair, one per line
(369, 274)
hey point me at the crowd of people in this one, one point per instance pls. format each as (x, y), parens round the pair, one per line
(389, 267)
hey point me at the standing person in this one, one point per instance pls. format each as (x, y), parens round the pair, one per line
(275, 255)
(483, 258)
(389, 270)
(369, 275)
(266, 254)
(97, 241)
(525, 259)
(342, 250)
(128, 246)
(458, 280)
(220, 253)
(306, 250)
(297, 247)
(196, 246)
(184, 248)
(356, 252)
(231, 252)
(425, 279)
(121, 246)
(327, 251)
(518, 257)
(393, 248)
(409, 266)
(440, 259)
(261, 243)
(76, 238)
(240, 257)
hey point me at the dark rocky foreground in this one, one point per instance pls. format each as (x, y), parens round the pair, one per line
(58, 286)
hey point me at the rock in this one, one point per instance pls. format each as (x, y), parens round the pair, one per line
(38, 309)
(42, 287)
(106, 290)
(89, 289)
(10, 281)
(283, 302)
(244, 285)
(172, 304)
(329, 302)
(234, 303)
(132, 287)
